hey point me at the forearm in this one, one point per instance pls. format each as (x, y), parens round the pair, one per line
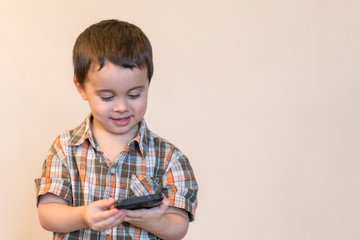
(171, 227)
(58, 217)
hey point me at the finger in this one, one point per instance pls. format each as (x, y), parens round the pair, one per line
(108, 214)
(164, 204)
(108, 219)
(101, 205)
(105, 203)
(115, 220)
(135, 213)
(119, 218)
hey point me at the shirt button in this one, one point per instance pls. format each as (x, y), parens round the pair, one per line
(112, 170)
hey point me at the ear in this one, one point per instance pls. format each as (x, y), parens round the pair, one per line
(80, 89)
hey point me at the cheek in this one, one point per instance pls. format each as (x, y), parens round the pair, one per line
(140, 107)
(99, 107)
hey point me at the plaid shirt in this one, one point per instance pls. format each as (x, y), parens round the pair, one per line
(78, 171)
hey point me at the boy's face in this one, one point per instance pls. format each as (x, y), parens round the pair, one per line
(117, 98)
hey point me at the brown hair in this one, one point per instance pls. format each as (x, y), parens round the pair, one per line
(118, 42)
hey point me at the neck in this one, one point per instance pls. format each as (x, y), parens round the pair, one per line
(111, 143)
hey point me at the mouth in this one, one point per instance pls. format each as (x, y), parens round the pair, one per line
(121, 121)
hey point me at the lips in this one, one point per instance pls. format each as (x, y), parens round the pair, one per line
(121, 121)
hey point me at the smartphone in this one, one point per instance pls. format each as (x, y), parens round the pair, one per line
(148, 201)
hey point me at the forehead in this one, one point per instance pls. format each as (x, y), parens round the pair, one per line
(111, 75)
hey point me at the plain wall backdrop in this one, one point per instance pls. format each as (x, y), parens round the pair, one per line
(262, 96)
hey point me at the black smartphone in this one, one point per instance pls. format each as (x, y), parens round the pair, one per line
(148, 201)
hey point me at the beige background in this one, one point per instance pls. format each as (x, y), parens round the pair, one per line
(262, 95)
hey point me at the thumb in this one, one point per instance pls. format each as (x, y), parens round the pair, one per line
(164, 204)
(105, 203)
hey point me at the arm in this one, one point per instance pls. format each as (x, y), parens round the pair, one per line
(56, 216)
(163, 221)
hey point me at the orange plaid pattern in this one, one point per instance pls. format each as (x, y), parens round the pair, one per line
(76, 170)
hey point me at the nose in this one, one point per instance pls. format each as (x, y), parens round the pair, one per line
(120, 106)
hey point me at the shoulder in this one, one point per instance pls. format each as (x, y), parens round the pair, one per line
(158, 140)
(152, 144)
(164, 147)
(71, 138)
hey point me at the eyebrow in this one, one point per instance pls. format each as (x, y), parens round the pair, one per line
(104, 91)
(111, 91)
(137, 87)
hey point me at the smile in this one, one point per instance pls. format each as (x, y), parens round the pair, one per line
(121, 121)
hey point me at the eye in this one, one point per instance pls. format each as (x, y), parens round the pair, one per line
(133, 96)
(106, 99)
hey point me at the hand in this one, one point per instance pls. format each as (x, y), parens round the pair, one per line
(99, 217)
(147, 218)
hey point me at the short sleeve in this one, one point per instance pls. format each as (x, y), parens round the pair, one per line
(179, 184)
(55, 177)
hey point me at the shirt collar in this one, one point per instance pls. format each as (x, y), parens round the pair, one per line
(143, 138)
(82, 132)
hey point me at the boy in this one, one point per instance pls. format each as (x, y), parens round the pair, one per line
(112, 155)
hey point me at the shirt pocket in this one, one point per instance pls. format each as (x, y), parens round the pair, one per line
(142, 185)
